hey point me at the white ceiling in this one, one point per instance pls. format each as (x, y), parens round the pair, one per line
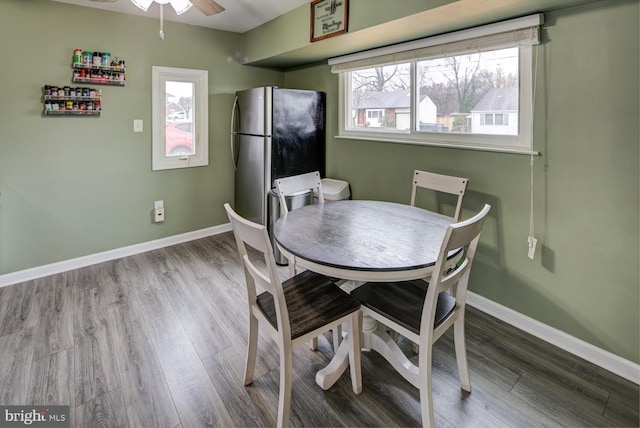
(239, 16)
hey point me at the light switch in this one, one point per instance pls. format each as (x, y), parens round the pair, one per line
(137, 125)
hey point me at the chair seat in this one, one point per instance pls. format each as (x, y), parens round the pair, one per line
(313, 301)
(403, 302)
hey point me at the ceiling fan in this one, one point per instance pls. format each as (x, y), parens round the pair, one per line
(207, 7)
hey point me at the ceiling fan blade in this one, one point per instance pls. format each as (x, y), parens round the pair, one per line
(208, 7)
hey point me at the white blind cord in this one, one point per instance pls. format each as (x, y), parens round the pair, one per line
(531, 240)
(531, 228)
(161, 21)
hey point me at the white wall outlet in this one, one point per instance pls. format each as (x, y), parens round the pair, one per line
(137, 125)
(158, 211)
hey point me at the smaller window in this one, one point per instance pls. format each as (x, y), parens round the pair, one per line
(180, 118)
(374, 114)
(375, 118)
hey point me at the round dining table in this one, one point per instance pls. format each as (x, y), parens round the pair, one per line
(363, 241)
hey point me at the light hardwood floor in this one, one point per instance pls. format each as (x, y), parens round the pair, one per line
(158, 340)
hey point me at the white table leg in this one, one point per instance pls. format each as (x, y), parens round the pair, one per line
(386, 346)
(375, 338)
(326, 377)
(369, 325)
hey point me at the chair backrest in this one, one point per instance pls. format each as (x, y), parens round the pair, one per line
(297, 183)
(258, 276)
(463, 235)
(440, 183)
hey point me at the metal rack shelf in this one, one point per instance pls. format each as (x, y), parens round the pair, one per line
(70, 98)
(71, 105)
(116, 69)
(72, 112)
(99, 74)
(98, 81)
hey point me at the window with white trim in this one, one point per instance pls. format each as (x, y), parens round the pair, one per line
(180, 118)
(497, 119)
(468, 89)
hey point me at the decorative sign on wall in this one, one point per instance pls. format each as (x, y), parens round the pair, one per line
(328, 18)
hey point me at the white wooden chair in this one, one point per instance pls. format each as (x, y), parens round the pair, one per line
(288, 186)
(292, 312)
(422, 312)
(440, 183)
(297, 183)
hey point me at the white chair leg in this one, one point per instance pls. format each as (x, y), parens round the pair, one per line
(252, 347)
(354, 352)
(292, 267)
(461, 354)
(286, 373)
(426, 392)
(337, 338)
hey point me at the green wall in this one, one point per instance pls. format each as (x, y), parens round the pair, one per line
(73, 186)
(584, 278)
(269, 44)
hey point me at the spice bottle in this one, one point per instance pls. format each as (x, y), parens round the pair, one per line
(77, 56)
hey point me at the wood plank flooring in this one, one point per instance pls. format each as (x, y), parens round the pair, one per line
(158, 340)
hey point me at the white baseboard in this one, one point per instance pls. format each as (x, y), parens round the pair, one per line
(593, 354)
(66, 265)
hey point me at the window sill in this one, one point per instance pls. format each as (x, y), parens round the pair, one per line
(396, 139)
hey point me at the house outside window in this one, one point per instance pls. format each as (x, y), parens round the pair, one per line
(470, 89)
(496, 113)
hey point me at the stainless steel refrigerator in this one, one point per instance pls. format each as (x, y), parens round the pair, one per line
(275, 133)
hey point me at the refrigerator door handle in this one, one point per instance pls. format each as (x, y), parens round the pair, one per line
(233, 134)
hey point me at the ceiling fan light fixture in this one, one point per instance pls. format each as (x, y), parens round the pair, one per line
(142, 4)
(181, 6)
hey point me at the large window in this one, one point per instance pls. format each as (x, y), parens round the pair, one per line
(180, 118)
(469, 89)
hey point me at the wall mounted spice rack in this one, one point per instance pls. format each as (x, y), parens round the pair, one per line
(99, 74)
(67, 101)
(98, 68)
